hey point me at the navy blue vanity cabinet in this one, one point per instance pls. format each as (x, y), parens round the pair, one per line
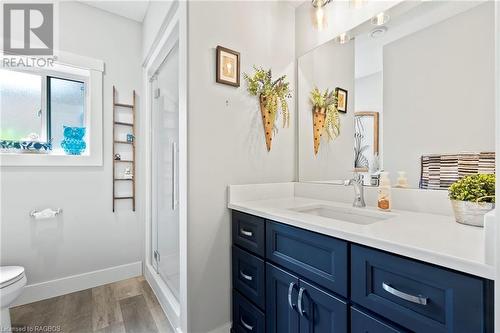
(294, 305)
(418, 296)
(320, 310)
(246, 316)
(281, 301)
(362, 322)
(248, 232)
(249, 276)
(320, 259)
(290, 280)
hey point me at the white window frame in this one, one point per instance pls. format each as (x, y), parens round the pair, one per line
(90, 71)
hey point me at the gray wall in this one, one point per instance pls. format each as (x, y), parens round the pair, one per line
(88, 236)
(226, 143)
(439, 91)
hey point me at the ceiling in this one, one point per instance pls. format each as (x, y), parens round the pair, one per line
(134, 10)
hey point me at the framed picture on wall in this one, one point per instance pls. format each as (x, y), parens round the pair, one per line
(341, 99)
(228, 66)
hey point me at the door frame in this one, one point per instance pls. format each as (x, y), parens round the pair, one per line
(173, 32)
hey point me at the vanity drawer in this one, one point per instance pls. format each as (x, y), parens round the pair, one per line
(318, 258)
(364, 323)
(246, 316)
(249, 276)
(248, 232)
(418, 296)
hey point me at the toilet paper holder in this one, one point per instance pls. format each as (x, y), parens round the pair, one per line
(45, 213)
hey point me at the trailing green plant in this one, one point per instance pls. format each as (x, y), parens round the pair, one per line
(328, 101)
(273, 93)
(474, 188)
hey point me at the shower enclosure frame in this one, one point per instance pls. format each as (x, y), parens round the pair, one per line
(173, 33)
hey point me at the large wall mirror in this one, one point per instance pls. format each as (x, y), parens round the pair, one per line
(419, 83)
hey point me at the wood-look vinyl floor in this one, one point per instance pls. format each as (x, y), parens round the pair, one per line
(127, 306)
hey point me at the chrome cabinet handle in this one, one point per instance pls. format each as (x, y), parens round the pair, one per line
(248, 327)
(246, 232)
(290, 290)
(300, 299)
(246, 277)
(407, 297)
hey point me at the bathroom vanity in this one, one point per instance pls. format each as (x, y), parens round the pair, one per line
(304, 259)
(300, 265)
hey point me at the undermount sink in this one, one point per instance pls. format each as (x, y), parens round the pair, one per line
(352, 215)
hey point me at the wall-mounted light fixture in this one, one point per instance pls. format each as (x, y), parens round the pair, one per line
(357, 3)
(343, 38)
(380, 19)
(319, 13)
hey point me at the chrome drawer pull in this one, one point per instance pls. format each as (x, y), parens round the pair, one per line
(302, 312)
(246, 232)
(290, 290)
(246, 277)
(407, 297)
(248, 327)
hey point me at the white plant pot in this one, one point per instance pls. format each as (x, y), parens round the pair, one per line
(470, 212)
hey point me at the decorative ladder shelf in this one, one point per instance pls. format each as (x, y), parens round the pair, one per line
(115, 142)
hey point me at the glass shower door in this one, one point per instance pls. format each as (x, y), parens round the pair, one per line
(165, 176)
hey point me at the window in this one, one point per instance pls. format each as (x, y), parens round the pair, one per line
(36, 105)
(20, 106)
(66, 105)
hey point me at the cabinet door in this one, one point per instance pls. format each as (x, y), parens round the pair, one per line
(418, 296)
(318, 258)
(364, 323)
(281, 301)
(320, 311)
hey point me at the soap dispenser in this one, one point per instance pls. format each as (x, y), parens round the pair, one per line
(384, 200)
(402, 181)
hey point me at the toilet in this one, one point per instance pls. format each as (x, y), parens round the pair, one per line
(12, 281)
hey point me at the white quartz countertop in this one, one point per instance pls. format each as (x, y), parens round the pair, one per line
(436, 239)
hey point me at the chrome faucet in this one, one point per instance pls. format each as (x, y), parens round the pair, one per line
(359, 195)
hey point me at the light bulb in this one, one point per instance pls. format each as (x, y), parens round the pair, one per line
(380, 19)
(357, 3)
(343, 38)
(320, 18)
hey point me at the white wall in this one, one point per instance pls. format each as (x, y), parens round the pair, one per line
(153, 20)
(434, 79)
(226, 143)
(328, 66)
(369, 92)
(87, 236)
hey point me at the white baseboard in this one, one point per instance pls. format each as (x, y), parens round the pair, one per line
(167, 300)
(226, 328)
(39, 291)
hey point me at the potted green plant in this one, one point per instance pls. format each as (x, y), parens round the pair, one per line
(272, 95)
(472, 197)
(325, 115)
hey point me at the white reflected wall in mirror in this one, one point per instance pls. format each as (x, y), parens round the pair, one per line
(430, 77)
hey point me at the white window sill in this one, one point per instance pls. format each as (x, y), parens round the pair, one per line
(49, 159)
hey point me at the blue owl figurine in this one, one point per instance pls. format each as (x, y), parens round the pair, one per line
(73, 143)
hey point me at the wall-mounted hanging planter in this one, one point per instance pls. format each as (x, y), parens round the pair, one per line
(325, 116)
(273, 96)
